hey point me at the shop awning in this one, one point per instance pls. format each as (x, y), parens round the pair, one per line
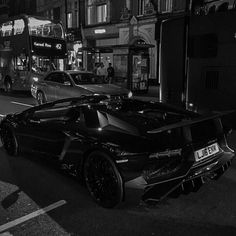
(110, 48)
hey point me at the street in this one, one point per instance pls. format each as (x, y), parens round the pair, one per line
(38, 199)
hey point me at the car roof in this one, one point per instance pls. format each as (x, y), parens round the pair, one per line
(73, 71)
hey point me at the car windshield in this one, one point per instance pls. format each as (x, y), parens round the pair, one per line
(87, 78)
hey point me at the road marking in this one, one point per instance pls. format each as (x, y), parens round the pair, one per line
(22, 104)
(2, 115)
(31, 215)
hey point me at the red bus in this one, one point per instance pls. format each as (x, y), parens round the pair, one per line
(29, 47)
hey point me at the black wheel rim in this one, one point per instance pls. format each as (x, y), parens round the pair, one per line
(9, 141)
(102, 181)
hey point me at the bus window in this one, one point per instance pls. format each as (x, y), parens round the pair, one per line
(6, 28)
(46, 28)
(21, 63)
(19, 26)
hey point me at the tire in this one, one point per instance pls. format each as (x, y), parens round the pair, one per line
(103, 180)
(8, 86)
(9, 141)
(40, 97)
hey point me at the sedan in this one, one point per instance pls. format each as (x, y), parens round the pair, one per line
(64, 84)
(123, 146)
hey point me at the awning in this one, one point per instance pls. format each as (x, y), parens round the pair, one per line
(110, 48)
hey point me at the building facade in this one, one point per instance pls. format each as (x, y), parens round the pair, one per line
(122, 33)
(16, 7)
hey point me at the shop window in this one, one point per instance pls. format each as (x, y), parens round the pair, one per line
(203, 46)
(69, 20)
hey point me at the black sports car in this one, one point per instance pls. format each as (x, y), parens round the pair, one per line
(123, 144)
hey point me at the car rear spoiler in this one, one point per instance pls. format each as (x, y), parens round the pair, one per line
(189, 122)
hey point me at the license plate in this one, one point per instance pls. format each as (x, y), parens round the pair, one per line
(206, 152)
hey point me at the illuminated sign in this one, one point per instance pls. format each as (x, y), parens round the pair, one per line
(42, 45)
(100, 31)
(48, 46)
(57, 46)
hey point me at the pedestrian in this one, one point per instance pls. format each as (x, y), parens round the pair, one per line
(80, 66)
(110, 73)
(101, 71)
(96, 65)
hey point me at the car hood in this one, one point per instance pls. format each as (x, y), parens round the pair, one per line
(104, 89)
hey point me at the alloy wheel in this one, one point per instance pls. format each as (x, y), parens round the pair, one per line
(103, 180)
(9, 141)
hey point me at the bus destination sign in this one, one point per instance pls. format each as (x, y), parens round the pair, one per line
(48, 47)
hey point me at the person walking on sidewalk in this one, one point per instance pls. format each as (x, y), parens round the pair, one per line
(101, 71)
(110, 73)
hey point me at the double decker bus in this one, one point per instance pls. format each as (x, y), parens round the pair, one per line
(29, 47)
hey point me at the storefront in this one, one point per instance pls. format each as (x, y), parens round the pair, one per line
(74, 45)
(129, 47)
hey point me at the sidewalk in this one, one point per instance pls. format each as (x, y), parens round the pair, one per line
(152, 95)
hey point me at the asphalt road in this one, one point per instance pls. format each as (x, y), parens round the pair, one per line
(36, 198)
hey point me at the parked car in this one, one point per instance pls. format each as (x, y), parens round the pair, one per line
(64, 84)
(118, 145)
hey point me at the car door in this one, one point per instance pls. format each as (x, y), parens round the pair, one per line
(66, 87)
(42, 134)
(49, 86)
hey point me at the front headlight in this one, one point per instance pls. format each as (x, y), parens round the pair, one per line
(130, 94)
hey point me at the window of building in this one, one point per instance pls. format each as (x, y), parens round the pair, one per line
(69, 20)
(101, 13)
(165, 6)
(77, 18)
(97, 11)
(141, 6)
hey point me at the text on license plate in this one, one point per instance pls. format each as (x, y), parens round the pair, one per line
(206, 152)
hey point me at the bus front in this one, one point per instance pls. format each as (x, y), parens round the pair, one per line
(30, 46)
(47, 46)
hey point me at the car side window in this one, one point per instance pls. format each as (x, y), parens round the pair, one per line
(55, 77)
(63, 113)
(66, 79)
